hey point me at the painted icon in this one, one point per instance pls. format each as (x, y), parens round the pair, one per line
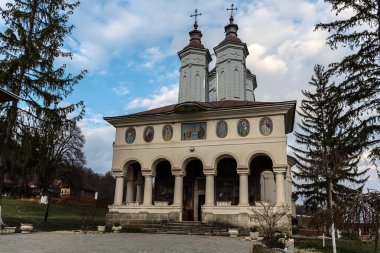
(266, 126)
(148, 134)
(193, 131)
(221, 129)
(243, 127)
(167, 132)
(130, 135)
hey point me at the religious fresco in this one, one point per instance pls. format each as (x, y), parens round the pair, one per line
(266, 126)
(130, 135)
(193, 131)
(148, 134)
(221, 129)
(167, 132)
(243, 127)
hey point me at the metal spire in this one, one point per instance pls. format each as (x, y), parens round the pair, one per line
(195, 15)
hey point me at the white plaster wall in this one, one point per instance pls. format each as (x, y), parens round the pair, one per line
(193, 63)
(230, 58)
(176, 151)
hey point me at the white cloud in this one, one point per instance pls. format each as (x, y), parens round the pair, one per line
(152, 55)
(165, 96)
(99, 137)
(121, 90)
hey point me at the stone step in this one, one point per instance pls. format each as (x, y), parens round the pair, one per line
(194, 228)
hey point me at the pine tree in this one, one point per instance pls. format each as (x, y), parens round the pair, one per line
(329, 146)
(29, 48)
(360, 70)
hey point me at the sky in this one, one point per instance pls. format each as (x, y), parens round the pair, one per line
(130, 50)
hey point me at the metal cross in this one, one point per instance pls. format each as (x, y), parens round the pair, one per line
(232, 10)
(196, 14)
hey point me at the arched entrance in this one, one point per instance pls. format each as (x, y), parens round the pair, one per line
(227, 182)
(134, 183)
(261, 184)
(163, 183)
(193, 191)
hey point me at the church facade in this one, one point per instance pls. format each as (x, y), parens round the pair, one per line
(214, 156)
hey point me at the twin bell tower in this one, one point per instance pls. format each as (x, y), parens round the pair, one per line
(229, 80)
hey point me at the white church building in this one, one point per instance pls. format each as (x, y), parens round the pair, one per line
(214, 156)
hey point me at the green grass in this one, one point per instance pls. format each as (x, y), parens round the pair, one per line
(342, 246)
(61, 217)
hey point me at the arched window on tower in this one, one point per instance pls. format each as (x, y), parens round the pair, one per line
(198, 87)
(222, 86)
(236, 86)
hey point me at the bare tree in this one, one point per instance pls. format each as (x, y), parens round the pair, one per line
(268, 217)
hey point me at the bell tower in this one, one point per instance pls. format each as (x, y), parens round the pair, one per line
(232, 79)
(195, 58)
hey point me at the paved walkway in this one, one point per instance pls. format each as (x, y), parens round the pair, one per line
(64, 242)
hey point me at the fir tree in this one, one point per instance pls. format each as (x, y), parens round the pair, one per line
(360, 70)
(329, 146)
(29, 48)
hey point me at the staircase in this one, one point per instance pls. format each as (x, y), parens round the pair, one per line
(183, 228)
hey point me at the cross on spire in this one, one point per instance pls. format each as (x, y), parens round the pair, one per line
(232, 9)
(195, 15)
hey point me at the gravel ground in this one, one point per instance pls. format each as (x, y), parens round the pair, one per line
(59, 242)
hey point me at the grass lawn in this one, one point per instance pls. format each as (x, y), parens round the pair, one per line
(342, 246)
(61, 217)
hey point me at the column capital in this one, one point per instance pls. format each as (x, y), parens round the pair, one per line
(242, 171)
(280, 168)
(209, 171)
(178, 172)
(148, 173)
(118, 173)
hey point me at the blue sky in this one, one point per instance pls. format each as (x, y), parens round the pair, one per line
(130, 50)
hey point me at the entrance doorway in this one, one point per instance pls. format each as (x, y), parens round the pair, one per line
(193, 190)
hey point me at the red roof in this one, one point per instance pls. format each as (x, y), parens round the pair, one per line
(204, 105)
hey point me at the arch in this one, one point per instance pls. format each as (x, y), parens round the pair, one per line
(159, 159)
(261, 183)
(129, 162)
(257, 153)
(163, 181)
(227, 180)
(183, 163)
(223, 155)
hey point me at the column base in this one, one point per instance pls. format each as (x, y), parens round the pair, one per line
(244, 204)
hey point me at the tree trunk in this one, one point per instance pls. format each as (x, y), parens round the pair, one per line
(330, 207)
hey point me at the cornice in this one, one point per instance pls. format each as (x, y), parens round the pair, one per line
(257, 110)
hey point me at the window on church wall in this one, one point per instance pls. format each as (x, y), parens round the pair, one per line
(197, 86)
(186, 82)
(163, 187)
(227, 182)
(222, 86)
(236, 86)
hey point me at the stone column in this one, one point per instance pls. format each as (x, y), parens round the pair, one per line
(210, 188)
(148, 190)
(119, 188)
(243, 186)
(130, 194)
(130, 191)
(139, 188)
(280, 187)
(178, 190)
